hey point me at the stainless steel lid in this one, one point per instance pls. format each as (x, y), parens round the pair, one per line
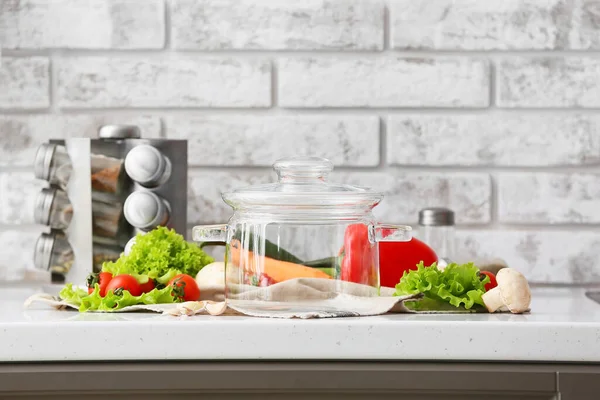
(119, 132)
(43, 160)
(146, 165)
(43, 205)
(43, 251)
(145, 210)
(436, 216)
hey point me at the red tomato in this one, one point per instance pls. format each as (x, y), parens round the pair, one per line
(185, 287)
(102, 279)
(125, 282)
(397, 257)
(148, 286)
(493, 283)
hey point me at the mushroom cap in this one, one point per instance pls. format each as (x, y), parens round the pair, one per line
(514, 290)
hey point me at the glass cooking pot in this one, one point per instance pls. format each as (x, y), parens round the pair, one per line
(292, 244)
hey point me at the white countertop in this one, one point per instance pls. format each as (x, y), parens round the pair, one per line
(564, 325)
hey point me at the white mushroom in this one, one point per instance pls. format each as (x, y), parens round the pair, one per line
(512, 292)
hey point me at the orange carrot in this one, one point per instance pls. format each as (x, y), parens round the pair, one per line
(277, 270)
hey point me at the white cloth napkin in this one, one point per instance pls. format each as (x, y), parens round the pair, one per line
(294, 298)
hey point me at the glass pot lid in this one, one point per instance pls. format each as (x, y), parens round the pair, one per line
(302, 184)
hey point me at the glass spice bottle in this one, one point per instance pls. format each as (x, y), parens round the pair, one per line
(436, 228)
(54, 253)
(53, 208)
(52, 164)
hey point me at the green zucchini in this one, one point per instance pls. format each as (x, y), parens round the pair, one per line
(272, 250)
(328, 262)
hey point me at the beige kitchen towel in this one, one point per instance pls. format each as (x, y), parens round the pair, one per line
(294, 298)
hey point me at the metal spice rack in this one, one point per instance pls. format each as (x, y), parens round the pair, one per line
(101, 193)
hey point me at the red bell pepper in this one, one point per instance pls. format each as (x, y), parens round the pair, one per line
(394, 257)
(397, 257)
(358, 256)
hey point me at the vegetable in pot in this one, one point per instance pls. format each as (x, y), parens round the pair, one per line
(358, 256)
(271, 249)
(276, 270)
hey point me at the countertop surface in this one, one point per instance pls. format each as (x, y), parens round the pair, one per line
(564, 325)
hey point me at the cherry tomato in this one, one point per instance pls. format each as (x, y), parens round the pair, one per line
(265, 280)
(148, 286)
(397, 257)
(493, 283)
(124, 282)
(102, 279)
(185, 287)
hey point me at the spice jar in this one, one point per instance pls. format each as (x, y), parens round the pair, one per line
(104, 253)
(147, 166)
(52, 164)
(107, 221)
(146, 210)
(107, 174)
(52, 208)
(437, 230)
(53, 253)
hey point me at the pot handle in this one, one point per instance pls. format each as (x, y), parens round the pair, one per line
(210, 233)
(392, 233)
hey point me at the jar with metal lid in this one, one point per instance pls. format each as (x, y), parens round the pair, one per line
(53, 208)
(53, 253)
(294, 244)
(436, 228)
(105, 253)
(107, 223)
(147, 166)
(52, 164)
(146, 210)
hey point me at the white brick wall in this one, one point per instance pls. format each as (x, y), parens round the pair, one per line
(76, 24)
(388, 81)
(488, 107)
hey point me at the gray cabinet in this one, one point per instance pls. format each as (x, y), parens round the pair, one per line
(276, 380)
(579, 383)
(298, 381)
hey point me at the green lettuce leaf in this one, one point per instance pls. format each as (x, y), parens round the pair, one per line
(112, 302)
(458, 285)
(160, 253)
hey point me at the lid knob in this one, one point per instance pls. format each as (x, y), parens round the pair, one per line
(119, 132)
(436, 217)
(302, 168)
